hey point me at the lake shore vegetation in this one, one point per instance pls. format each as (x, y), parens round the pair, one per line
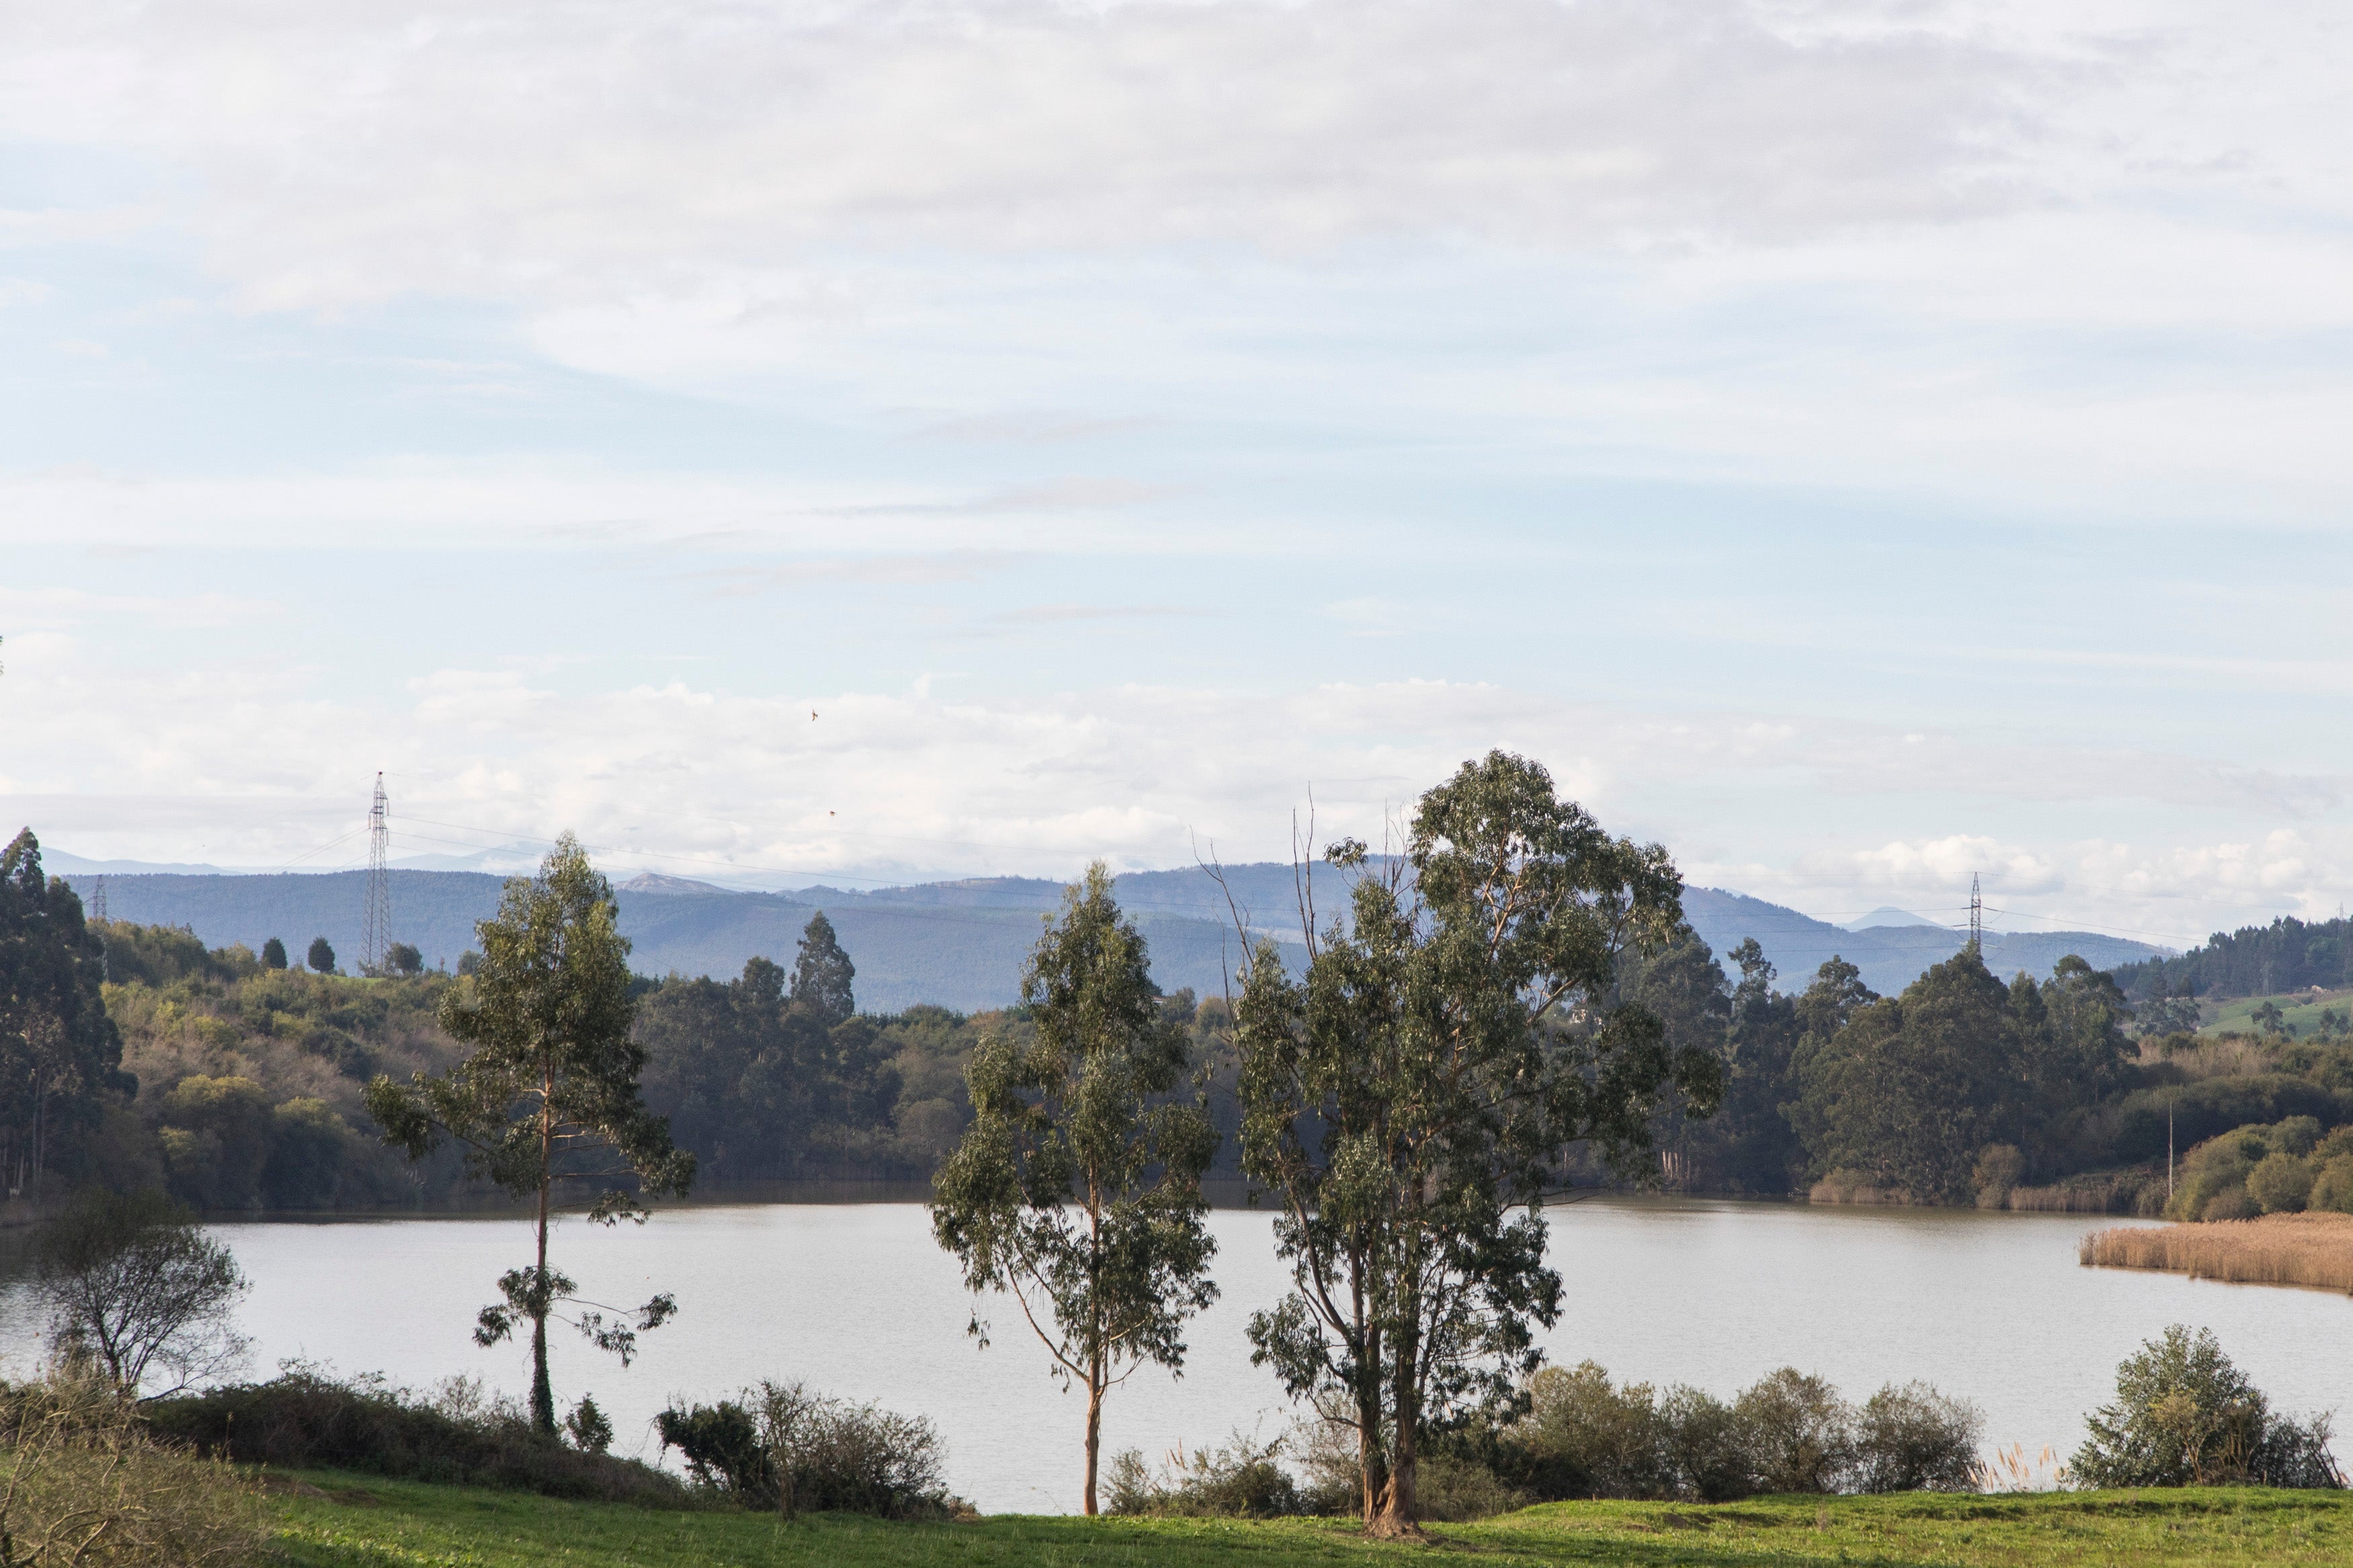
(2313, 1250)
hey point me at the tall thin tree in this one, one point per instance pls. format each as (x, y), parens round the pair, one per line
(1077, 1190)
(550, 1095)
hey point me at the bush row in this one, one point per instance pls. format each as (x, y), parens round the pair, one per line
(303, 1419)
(2283, 1168)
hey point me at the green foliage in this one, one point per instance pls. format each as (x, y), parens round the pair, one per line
(1424, 1080)
(823, 974)
(1581, 1436)
(2288, 954)
(590, 1431)
(305, 1419)
(1242, 1479)
(781, 1447)
(1077, 1187)
(402, 958)
(1910, 1093)
(321, 956)
(2185, 1416)
(273, 955)
(762, 1084)
(2263, 1169)
(549, 1094)
(60, 1055)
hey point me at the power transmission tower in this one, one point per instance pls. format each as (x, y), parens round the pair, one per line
(1977, 916)
(375, 923)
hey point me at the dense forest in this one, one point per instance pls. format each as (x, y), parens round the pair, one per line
(134, 1055)
(2288, 954)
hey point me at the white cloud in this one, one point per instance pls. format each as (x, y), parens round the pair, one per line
(350, 152)
(200, 764)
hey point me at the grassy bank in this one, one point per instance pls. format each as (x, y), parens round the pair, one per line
(364, 1521)
(2314, 1249)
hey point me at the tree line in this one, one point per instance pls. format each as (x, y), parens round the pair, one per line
(1512, 1007)
(2288, 954)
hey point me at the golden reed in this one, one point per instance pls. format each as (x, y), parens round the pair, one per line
(2277, 1249)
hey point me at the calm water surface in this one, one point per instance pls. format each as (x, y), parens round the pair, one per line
(855, 1298)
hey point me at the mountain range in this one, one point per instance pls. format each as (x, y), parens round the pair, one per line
(961, 944)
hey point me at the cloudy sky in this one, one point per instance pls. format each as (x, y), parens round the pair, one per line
(1858, 445)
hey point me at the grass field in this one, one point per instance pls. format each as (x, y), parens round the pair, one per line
(2301, 1009)
(366, 1521)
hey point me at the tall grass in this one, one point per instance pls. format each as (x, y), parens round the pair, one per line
(2278, 1249)
(2140, 1189)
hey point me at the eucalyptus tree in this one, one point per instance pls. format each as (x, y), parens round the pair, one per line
(1077, 1188)
(549, 1094)
(1410, 1098)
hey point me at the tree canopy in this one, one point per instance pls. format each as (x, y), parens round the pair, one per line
(550, 1093)
(1411, 1097)
(1077, 1189)
(60, 1055)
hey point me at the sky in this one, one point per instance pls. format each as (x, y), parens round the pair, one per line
(1861, 447)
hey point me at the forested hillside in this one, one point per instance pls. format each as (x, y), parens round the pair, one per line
(2288, 954)
(236, 1081)
(1959, 1088)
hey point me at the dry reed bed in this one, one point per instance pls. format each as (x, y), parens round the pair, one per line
(2277, 1249)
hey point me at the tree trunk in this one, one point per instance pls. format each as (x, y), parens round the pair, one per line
(1094, 1429)
(1372, 1458)
(543, 1392)
(1395, 1519)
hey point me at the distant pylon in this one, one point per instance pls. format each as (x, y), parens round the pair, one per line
(1977, 916)
(97, 897)
(375, 923)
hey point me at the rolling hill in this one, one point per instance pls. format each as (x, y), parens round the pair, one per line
(961, 944)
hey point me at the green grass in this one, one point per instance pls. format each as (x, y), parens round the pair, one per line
(364, 1521)
(2300, 1009)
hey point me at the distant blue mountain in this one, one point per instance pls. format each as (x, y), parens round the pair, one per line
(961, 944)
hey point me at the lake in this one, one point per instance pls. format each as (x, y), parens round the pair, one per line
(856, 1299)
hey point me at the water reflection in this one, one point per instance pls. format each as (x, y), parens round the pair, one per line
(856, 1299)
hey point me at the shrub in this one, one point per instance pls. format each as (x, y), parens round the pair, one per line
(1999, 1167)
(782, 1446)
(2185, 1416)
(305, 1419)
(1456, 1491)
(1240, 1481)
(1799, 1433)
(1583, 1437)
(85, 1482)
(2281, 1182)
(2332, 1189)
(1594, 1440)
(1914, 1439)
(1707, 1447)
(2219, 1178)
